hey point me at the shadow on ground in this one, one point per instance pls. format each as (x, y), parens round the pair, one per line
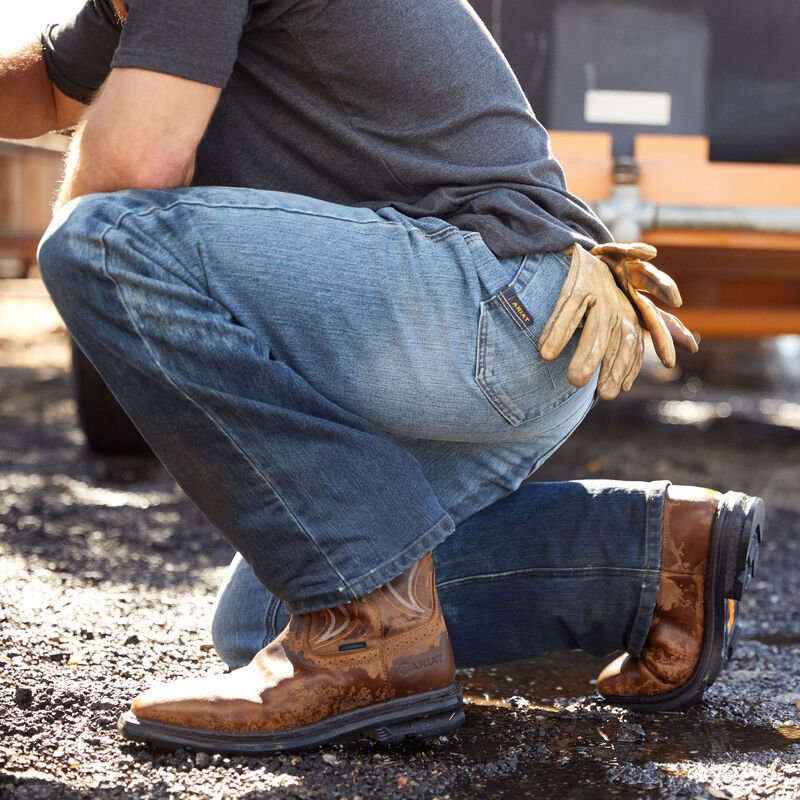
(112, 519)
(107, 575)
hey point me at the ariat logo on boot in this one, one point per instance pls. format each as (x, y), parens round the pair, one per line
(416, 666)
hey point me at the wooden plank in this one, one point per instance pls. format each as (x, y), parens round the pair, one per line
(587, 161)
(741, 323)
(675, 170)
(725, 240)
(721, 263)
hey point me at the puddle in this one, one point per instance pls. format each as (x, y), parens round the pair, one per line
(540, 681)
(572, 754)
(582, 754)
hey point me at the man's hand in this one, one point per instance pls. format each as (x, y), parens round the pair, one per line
(611, 338)
(634, 275)
(141, 132)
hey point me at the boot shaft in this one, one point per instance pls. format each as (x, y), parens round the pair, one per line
(397, 630)
(689, 513)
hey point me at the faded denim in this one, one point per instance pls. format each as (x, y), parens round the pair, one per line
(553, 566)
(336, 388)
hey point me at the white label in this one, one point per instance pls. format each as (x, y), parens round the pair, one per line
(627, 108)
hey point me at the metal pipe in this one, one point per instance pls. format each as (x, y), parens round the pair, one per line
(627, 215)
(761, 220)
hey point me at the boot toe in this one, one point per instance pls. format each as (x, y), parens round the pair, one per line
(627, 676)
(608, 681)
(197, 703)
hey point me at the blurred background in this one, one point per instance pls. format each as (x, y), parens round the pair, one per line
(678, 121)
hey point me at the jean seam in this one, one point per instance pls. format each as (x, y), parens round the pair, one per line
(198, 405)
(480, 377)
(191, 201)
(556, 404)
(449, 229)
(540, 257)
(647, 599)
(438, 236)
(530, 277)
(554, 572)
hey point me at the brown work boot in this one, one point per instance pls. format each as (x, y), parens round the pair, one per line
(709, 552)
(381, 666)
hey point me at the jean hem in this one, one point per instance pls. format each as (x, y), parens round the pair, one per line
(380, 575)
(647, 600)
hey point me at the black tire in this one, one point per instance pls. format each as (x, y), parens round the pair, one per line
(108, 429)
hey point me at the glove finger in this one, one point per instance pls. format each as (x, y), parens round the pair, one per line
(627, 359)
(590, 350)
(662, 339)
(619, 250)
(637, 363)
(681, 335)
(648, 278)
(567, 315)
(615, 363)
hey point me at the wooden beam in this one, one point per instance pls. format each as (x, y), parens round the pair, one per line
(741, 323)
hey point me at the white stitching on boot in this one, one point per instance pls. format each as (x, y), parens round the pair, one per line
(411, 603)
(329, 631)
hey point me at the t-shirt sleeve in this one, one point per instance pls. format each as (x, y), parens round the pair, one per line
(193, 39)
(78, 53)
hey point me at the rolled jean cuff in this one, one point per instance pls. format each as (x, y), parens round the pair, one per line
(378, 576)
(654, 522)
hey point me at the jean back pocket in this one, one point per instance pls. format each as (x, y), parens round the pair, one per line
(509, 368)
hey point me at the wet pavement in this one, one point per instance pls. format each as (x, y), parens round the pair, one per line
(107, 576)
(600, 753)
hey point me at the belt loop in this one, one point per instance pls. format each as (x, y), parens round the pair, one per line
(494, 273)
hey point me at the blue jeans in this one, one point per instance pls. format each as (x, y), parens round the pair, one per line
(553, 566)
(336, 388)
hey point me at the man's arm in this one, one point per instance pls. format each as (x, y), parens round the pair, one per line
(141, 132)
(29, 103)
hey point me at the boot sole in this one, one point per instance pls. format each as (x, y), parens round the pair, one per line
(418, 716)
(732, 561)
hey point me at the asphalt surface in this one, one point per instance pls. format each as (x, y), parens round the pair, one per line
(107, 576)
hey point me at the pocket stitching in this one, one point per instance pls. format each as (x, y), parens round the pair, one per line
(480, 377)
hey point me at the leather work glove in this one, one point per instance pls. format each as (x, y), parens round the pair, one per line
(634, 275)
(611, 338)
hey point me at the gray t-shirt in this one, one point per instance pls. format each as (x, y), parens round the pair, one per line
(403, 103)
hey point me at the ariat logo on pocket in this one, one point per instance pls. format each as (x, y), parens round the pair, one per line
(515, 307)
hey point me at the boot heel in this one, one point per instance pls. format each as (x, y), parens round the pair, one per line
(740, 522)
(419, 728)
(746, 516)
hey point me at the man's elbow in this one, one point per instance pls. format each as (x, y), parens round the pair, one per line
(135, 161)
(152, 170)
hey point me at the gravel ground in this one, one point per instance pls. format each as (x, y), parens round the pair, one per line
(107, 575)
